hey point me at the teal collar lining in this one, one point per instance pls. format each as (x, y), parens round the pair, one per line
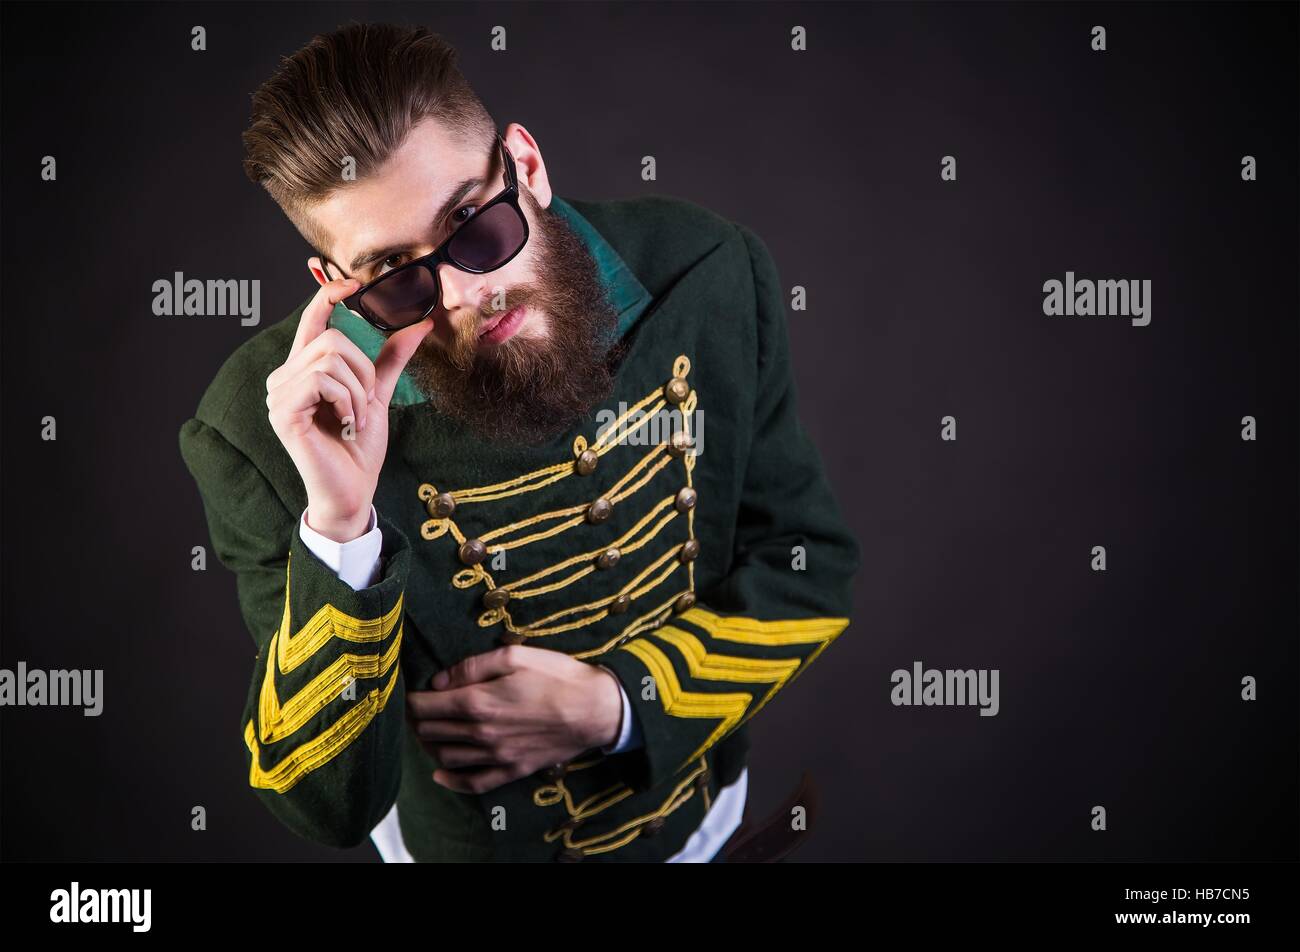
(627, 295)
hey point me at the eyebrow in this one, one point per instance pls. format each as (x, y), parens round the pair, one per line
(367, 258)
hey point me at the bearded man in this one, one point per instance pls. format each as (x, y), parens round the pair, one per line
(509, 602)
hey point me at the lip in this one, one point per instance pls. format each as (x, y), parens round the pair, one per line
(503, 327)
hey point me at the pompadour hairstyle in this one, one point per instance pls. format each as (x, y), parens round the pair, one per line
(355, 92)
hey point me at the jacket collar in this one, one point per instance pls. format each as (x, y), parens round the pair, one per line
(627, 295)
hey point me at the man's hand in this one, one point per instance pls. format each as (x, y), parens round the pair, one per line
(503, 715)
(328, 404)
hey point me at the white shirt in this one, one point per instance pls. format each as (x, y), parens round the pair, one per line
(358, 563)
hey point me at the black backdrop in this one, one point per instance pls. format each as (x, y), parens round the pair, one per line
(1119, 689)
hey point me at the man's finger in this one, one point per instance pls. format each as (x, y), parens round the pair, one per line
(458, 756)
(445, 731)
(395, 354)
(336, 368)
(316, 315)
(326, 341)
(478, 668)
(306, 393)
(462, 704)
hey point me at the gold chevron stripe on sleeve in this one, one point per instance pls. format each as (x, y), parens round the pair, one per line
(320, 750)
(679, 702)
(328, 622)
(752, 631)
(276, 722)
(715, 667)
(735, 708)
(780, 633)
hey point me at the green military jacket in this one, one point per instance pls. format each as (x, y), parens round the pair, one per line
(713, 570)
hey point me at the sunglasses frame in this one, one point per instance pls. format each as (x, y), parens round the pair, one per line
(509, 195)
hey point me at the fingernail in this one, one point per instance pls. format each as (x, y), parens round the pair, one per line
(440, 680)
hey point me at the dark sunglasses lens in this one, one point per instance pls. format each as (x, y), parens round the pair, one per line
(402, 299)
(488, 239)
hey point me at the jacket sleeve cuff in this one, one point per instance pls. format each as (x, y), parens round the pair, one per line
(663, 744)
(317, 578)
(629, 732)
(356, 562)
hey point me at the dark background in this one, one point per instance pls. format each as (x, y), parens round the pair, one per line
(1119, 688)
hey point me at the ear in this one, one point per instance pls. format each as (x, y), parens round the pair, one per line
(528, 163)
(318, 270)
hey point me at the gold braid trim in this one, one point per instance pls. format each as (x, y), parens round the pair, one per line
(292, 650)
(277, 723)
(315, 753)
(614, 494)
(728, 709)
(627, 832)
(534, 629)
(558, 792)
(621, 543)
(285, 652)
(752, 631)
(650, 619)
(535, 480)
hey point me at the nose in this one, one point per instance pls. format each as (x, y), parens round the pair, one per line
(461, 291)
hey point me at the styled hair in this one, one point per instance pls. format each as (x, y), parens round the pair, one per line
(355, 92)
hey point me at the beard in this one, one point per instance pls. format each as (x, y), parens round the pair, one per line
(525, 389)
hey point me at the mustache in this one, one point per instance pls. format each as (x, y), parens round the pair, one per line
(463, 333)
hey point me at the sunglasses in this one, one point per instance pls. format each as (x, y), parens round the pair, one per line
(408, 294)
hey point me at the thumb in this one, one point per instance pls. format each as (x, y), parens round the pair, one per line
(395, 354)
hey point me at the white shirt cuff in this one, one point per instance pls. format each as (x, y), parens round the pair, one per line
(356, 562)
(629, 732)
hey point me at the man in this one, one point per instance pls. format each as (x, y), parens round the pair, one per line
(512, 599)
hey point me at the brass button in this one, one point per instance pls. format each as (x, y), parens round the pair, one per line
(599, 510)
(686, 498)
(512, 638)
(570, 855)
(472, 552)
(677, 390)
(496, 598)
(441, 506)
(679, 443)
(685, 601)
(608, 559)
(690, 550)
(620, 604)
(653, 827)
(586, 464)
